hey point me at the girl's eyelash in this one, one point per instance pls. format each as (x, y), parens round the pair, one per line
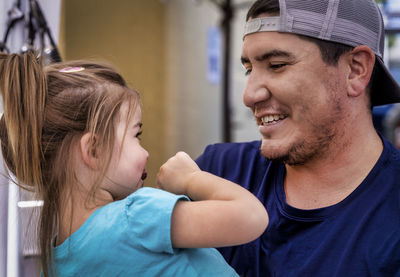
(139, 134)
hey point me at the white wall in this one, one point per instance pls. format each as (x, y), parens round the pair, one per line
(244, 125)
(196, 117)
(193, 104)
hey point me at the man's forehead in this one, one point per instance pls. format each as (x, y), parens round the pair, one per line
(292, 51)
(268, 54)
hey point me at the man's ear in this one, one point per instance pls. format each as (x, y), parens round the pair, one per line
(361, 61)
(88, 149)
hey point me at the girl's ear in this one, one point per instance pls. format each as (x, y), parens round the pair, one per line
(88, 145)
(361, 64)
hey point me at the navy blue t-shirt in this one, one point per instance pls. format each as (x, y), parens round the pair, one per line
(359, 236)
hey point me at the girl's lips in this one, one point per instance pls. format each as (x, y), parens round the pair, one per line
(144, 175)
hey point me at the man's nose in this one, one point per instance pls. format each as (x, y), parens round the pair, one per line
(254, 94)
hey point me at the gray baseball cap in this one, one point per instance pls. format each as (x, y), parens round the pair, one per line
(350, 22)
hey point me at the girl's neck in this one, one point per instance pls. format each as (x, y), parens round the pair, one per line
(75, 209)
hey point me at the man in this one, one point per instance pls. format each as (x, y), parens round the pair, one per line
(330, 183)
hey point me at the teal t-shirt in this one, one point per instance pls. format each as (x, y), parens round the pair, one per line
(131, 237)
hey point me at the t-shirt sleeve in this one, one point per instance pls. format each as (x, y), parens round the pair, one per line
(149, 211)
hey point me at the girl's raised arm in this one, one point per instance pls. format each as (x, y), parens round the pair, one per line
(222, 213)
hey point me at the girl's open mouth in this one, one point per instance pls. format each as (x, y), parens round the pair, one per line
(144, 175)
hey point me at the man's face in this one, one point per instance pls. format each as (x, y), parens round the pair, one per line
(296, 98)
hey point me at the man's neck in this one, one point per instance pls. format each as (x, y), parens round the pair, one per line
(326, 181)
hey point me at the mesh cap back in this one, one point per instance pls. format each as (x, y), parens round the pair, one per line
(349, 22)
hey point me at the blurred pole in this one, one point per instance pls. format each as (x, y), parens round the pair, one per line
(228, 10)
(13, 232)
(226, 26)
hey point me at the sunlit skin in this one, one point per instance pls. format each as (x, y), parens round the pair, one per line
(315, 115)
(295, 84)
(127, 169)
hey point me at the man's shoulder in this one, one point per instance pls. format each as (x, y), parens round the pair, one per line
(391, 159)
(241, 163)
(222, 157)
(395, 154)
(235, 148)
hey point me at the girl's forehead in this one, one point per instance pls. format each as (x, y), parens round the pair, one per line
(137, 113)
(130, 112)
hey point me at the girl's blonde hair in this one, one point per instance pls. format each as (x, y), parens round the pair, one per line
(47, 110)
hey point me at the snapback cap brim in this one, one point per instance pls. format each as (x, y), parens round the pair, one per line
(385, 89)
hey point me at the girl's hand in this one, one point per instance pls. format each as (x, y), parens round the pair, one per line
(174, 175)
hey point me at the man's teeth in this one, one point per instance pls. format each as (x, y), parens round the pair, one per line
(272, 118)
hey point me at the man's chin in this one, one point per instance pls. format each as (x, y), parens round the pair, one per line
(292, 155)
(273, 149)
(272, 153)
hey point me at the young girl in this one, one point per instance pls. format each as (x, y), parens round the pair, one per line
(70, 132)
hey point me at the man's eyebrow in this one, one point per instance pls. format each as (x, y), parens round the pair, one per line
(267, 55)
(273, 53)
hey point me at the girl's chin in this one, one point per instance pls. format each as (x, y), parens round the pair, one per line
(140, 184)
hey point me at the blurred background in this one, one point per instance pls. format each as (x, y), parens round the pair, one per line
(183, 56)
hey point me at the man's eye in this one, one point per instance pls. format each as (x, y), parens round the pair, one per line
(248, 71)
(277, 66)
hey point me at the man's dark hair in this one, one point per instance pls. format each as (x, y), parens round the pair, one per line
(330, 51)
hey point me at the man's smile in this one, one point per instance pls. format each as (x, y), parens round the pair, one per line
(272, 119)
